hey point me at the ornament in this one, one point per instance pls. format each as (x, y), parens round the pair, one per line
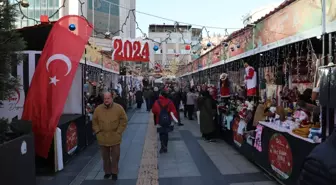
(187, 47)
(209, 44)
(194, 52)
(232, 49)
(177, 55)
(155, 48)
(238, 45)
(225, 44)
(72, 27)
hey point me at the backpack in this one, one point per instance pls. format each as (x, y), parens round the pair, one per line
(164, 116)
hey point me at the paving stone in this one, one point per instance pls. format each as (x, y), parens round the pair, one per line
(245, 183)
(91, 175)
(265, 183)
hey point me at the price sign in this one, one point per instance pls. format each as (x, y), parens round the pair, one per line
(280, 156)
(130, 50)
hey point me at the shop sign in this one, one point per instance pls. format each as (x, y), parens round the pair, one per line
(299, 16)
(130, 50)
(280, 156)
(237, 138)
(71, 138)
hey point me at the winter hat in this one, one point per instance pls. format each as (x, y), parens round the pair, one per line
(223, 76)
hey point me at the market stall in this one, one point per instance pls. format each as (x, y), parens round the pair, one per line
(73, 131)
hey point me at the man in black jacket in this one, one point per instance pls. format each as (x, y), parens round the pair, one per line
(320, 165)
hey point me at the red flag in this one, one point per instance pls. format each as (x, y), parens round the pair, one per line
(53, 78)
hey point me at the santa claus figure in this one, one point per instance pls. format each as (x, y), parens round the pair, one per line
(224, 86)
(250, 80)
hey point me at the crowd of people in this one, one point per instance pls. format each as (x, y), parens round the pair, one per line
(110, 119)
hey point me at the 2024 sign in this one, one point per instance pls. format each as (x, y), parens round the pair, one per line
(126, 50)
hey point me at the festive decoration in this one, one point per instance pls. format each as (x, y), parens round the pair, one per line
(72, 27)
(155, 48)
(224, 86)
(126, 50)
(209, 44)
(250, 80)
(187, 47)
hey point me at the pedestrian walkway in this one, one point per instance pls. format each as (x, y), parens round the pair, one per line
(189, 161)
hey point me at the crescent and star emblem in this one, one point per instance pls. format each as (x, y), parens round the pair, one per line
(65, 59)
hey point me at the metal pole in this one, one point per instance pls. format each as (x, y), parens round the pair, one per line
(323, 4)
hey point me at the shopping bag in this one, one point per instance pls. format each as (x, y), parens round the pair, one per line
(198, 116)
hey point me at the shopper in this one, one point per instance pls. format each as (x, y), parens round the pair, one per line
(190, 103)
(109, 123)
(147, 98)
(119, 100)
(139, 98)
(207, 109)
(184, 102)
(319, 167)
(164, 111)
(176, 97)
(155, 97)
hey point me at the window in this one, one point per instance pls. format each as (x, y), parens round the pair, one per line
(171, 51)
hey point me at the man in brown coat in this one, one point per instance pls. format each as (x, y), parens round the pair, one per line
(109, 122)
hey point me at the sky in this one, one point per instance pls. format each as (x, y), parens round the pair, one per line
(218, 13)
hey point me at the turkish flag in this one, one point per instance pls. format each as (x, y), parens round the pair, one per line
(53, 78)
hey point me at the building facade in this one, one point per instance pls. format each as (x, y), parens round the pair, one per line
(175, 50)
(105, 15)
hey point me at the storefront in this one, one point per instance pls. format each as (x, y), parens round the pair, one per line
(278, 125)
(74, 131)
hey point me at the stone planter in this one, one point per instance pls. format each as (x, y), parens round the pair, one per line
(17, 161)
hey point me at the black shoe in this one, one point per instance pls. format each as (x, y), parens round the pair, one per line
(107, 176)
(161, 150)
(165, 150)
(114, 177)
(180, 124)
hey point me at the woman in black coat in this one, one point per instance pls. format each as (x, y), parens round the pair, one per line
(139, 98)
(319, 167)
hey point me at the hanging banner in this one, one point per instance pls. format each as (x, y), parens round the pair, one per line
(130, 50)
(53, 78)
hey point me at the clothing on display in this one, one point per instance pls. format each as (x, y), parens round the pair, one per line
(251, 81)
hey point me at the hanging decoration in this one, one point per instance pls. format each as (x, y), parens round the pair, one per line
(155, 48)
(187, 47)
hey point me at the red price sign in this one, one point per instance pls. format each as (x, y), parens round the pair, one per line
(280, 156)
(71, 138)
(237, 138)
(126, 50)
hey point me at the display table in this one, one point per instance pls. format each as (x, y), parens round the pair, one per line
(281, 152)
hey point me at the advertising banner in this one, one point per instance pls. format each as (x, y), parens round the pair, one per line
(298, 17)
